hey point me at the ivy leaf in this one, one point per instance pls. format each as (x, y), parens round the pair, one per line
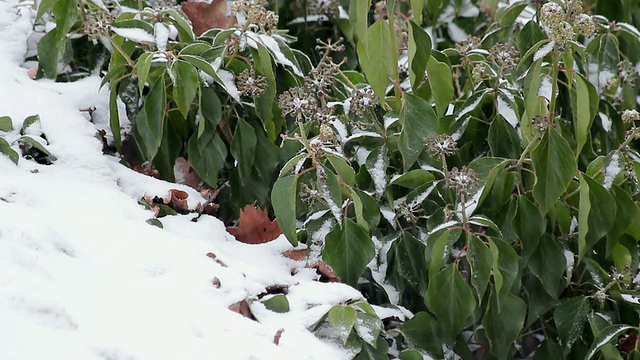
(6, 149)
(207, 159)
(264, 102)
(6, 124)
(283, 199)
(407, 265)
(605, 336)
(419, 53)
(367, 209)
(503, 139)
(368, 327)
(480, 260)
(419, 123)
(555, 167)
(529, 224)
(436, 247)
(342, 318)
(627, 213)
(50, 50)
(441, 83)
(210, 114)
(503, 322)
(548, 264)
(185, 84)
(348, 250)
(377, 351)
(584, 101)
(422, 332)
(596, 215)
(451, 300)
(150, 121)
(277, 303)
(505, 267)
(376, 64)
(243, 147)
(569, 318)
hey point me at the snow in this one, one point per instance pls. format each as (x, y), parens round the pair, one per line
(606, 122)
(135, 34)
(544, 50)
(378, 174)
(612, 170)
(83, 276)
(161, 36)
(505, 109)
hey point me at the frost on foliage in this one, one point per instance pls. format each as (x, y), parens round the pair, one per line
(135, 34)
(161, 36)
(612, 170)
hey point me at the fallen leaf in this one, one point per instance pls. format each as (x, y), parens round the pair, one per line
(216, 282)
(276, 338)
(254, 226)
(296, 254)
(32, 72)
(147, 170)
(242, 308)
(205, 16)
(185, 174)
(177, 200)
(215, 258)
(325, 272)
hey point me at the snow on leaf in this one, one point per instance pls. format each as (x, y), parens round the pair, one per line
(544, 50)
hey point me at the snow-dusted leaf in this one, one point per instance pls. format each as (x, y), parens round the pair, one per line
(605, 337)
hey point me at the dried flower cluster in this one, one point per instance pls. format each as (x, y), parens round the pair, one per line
(324, 7)
(441, 145)
(464, 181)
(251, 84)
(627, 72)
(559, 21)
(361, 100)
(97, 23)
(504, 55)
(629, 116)
(256, 14)
(299, 103)
(472, 43)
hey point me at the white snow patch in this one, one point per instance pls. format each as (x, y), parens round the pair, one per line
(505, 109)
(606, 122)
(135, 34)
(161, 36)
(545, 88)
(544, 50)
(456, 33)
(612, 170)
(379, 174)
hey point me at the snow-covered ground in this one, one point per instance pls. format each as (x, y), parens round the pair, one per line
(83, 276)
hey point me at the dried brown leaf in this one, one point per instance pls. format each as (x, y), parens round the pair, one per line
(242, 308)
(205, 16)
(254, 226)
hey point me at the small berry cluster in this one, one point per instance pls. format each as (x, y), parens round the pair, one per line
(559, 21)
(464, 181)
(256, 14)
(251, 84)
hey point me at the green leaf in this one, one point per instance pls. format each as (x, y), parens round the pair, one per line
(114, 118)
(555, 167)
(407, 265)
(358, 17)
(529, 225)
(548, 264)
(534, 104)
(596, 215)
(210, 111)
(44, 7)
(155, 222)
(441, 83)
(422, 332)
(419, 53)
(503, 139)
(511, 13)
(150, 121)
(570, 317)
(377, 351)
(348, 250)
(29, 121)
(480, 260)
(243, 148)
(585, 105)
(277, 303)
(6, 124)
(410, 354)
(6, 149)
(65, 12)
(368, 327)
(377, 164)
(413, 178)
(436, 246)
(451, 300)
(367, 209)
(202, 65)
(549, 350)
(627, 213)
(283, 199)
(342, 318)
(377, 65)
(264, 102)
(342, 168)
(207, 159)
(182, 23)
(50, 51)
(185, 84)
(605, 337)
(487, 170)
(143, 65)
(329, 191)
(505, 266)
(168, 151)
(419, 123)
(503, 322)
(33, 148)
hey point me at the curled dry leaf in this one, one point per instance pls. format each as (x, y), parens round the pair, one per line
(215, 258)
(177, 200)
(205, 16)
(147, 170)
(216, 282)
(242, 308)
(276, 338)
(254, 226)
(325, 272)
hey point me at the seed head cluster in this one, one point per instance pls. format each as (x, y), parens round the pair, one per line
(96, 24)
(630, 115)
(299, 103)
(505, 55)
(559, 20)
(627, 72)
(361, 100)
(256, 14)
(442, 145)
(251, 84)
(464, 181)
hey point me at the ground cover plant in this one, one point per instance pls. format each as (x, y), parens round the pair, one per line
(471, 166)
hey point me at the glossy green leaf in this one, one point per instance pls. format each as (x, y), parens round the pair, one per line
(413, 178)
(33, 120)
(143, 65)
(503, 322)
(548, 264)
(168, 151)
(243, 147)
(31, 147)
(529, 225)
(185, 85)
(278, 303)
(377, 65)
(555, 167)
(606, 336)
(182, 23)
(50, 50)
(441, 83)
(210, 111)
(358, 17)
(534, 104)
(503, 139)
(207, 159)
(480, 260)
(66, 13)
(342, 168)
(367, 209)
(419, 52)
(410, 354)
(283, 199)
(436, 246)
(6, 149)
(371, 352)
(451, 300)
(202, 65)
(596, 215)
(6, 124)
(329, 191)
(155, 222)
(264, 102)
(368, 326)
(348, 250)
(421, 331)
(342, 318)
(114, 118)
(150, 121)
(570, 317)
(407, 266)
(585, 106)
(505, 267)
(627, 213)
(419, 123)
